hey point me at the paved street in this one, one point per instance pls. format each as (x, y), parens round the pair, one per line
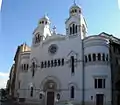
(9, 103)
(6, 103)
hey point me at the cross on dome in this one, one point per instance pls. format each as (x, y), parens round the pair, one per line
(74, 2)
(46, 16)
(75, 9)
(44, 20)
(54, 29)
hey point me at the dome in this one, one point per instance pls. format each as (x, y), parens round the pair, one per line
(45, 17)
(75, 6)
(44, 20)
(75, 9)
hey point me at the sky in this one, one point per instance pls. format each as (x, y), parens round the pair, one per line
(19, 18)
(0, 4)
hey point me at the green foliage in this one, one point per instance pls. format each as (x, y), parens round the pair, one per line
(3, 93)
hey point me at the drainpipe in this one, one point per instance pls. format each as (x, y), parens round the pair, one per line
(83, 76)
(111, 67)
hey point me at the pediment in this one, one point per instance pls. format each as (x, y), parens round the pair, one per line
(72, 53)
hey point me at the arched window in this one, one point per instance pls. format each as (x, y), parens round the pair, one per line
(70, 30)
(94, 57)
(103, 57)
(99, 56)
(85, 58)
(75, 10)
(59, 62)
(45, 64)
(33, 69)
(107, 57)
(33, 65)
(72, 92)
(76, 29)
(42, 65)
(79, 11)
(55, 63)
(27, 66)
(52, 63)
(31, 92)
(62, 61)
(72, 65)
(89, 57)
(38, 38)
(48, 63)
(73, 28)
(24, 67)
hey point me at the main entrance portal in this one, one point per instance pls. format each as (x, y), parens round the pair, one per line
(50, 98)
(50, 89)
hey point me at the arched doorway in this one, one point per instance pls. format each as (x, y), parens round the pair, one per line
(50, 88)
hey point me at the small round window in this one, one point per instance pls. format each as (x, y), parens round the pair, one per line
(53, 49)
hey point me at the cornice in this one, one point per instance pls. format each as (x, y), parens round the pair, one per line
(95, 44)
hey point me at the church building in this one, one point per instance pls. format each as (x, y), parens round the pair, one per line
(64, 69)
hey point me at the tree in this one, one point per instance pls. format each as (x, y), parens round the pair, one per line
(3, 93)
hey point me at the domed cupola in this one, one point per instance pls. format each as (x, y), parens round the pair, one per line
(75, 10)
(42, 31)
(44, 21)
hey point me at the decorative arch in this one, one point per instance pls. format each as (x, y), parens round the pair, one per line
(72, 88)
(72, 84)
(31, 85)
(34, 65)
(38, 37)
(35, 61)
(72, 53)
(31, 89)
(50, 79)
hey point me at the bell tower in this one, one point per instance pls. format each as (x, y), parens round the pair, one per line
(42, 31)
(75, 24)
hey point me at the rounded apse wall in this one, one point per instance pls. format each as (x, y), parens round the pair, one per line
(96, 50)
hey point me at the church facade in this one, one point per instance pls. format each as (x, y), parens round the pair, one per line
(72, 68)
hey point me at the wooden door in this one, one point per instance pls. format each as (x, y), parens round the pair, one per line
(99, 99)
(50, 98)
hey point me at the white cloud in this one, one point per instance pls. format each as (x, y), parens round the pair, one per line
(3, 79)
(3, 82)
(2, 74)
(119, 4)
(0, 4)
